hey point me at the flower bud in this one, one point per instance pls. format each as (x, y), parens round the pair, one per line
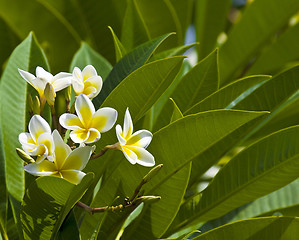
(24, 156)
(153, 172)
(30, 103)
(68, 94)
(150, 199)
(50, 94)
(36, 106)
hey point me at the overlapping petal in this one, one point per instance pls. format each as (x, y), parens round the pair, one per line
(133, 145)
(89, 124)
(37, 126)
(87, 82)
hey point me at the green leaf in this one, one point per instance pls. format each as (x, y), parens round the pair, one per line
(86, 55)
(47, 202)
(134, 30)
(177, 114)
(262, 168)
(171, 146)
(251, 33)
(13, 95)
(69, 228)
(268, 205)
(283, 228)
(120, 50)
(3, 190)
(127, 65)
(210, 21)
(173, 52)
(285, 49)
(278, 95)
(225, 96)
(52, 30)
(201, 81)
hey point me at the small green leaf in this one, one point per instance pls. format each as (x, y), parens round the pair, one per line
(127, 65)
(176, 114)
(283, 228)
(120, 50)
(86, 55)
(47, 202)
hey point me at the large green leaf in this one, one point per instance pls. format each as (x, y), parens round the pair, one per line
(54, 33)
(226, 95)
(282, 51)
(69, 228)
(251, 33)
(278, 95)
(13, 95)
(262, 168)
(134, 30)
(3, 190)
(210, 21)
(86, 55)
(282, 228)
(47, 202)
(274, 202)
(127, 65)
(175, 146)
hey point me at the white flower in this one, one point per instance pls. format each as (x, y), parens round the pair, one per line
(133, 145)
(87, 82)
(58, 82)
(39, 141)
(64, 163)
(89, 124)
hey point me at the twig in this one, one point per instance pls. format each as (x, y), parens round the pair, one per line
(104, 150)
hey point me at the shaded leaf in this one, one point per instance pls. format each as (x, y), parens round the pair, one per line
(120, 50)
(283, 228)
(47, 202)
(251, 33)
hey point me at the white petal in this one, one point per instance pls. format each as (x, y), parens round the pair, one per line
(43, 74)
(119, 135)
(70, 121)
(43, 168)
(27, 76)
(79, 135)
(77, 81)
(38, 150)
(37, 126)
(141, 138)
(128, 125)
(62, 150)
(84, 109)
(73, 176)
(144, 158)
(46, 140)
(129, 154)
(94, 135)
(89, 71)
(104, 119)
(77, 159)
(25, 138)
(61, 80)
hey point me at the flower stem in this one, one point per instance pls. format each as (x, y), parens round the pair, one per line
(104, 150)
(103, 209)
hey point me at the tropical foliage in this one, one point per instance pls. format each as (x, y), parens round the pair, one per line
(107, 130)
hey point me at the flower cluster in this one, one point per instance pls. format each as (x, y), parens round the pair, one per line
(52, 156)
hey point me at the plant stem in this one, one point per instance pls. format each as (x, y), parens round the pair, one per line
(104, 150)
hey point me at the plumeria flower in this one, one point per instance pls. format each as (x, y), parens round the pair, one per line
(89, 124)
(134, 145)
(64, 163)
(87, 82)
(58, 82)
(39, 141)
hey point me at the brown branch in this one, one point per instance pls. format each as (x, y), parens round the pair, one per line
(104, 150)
